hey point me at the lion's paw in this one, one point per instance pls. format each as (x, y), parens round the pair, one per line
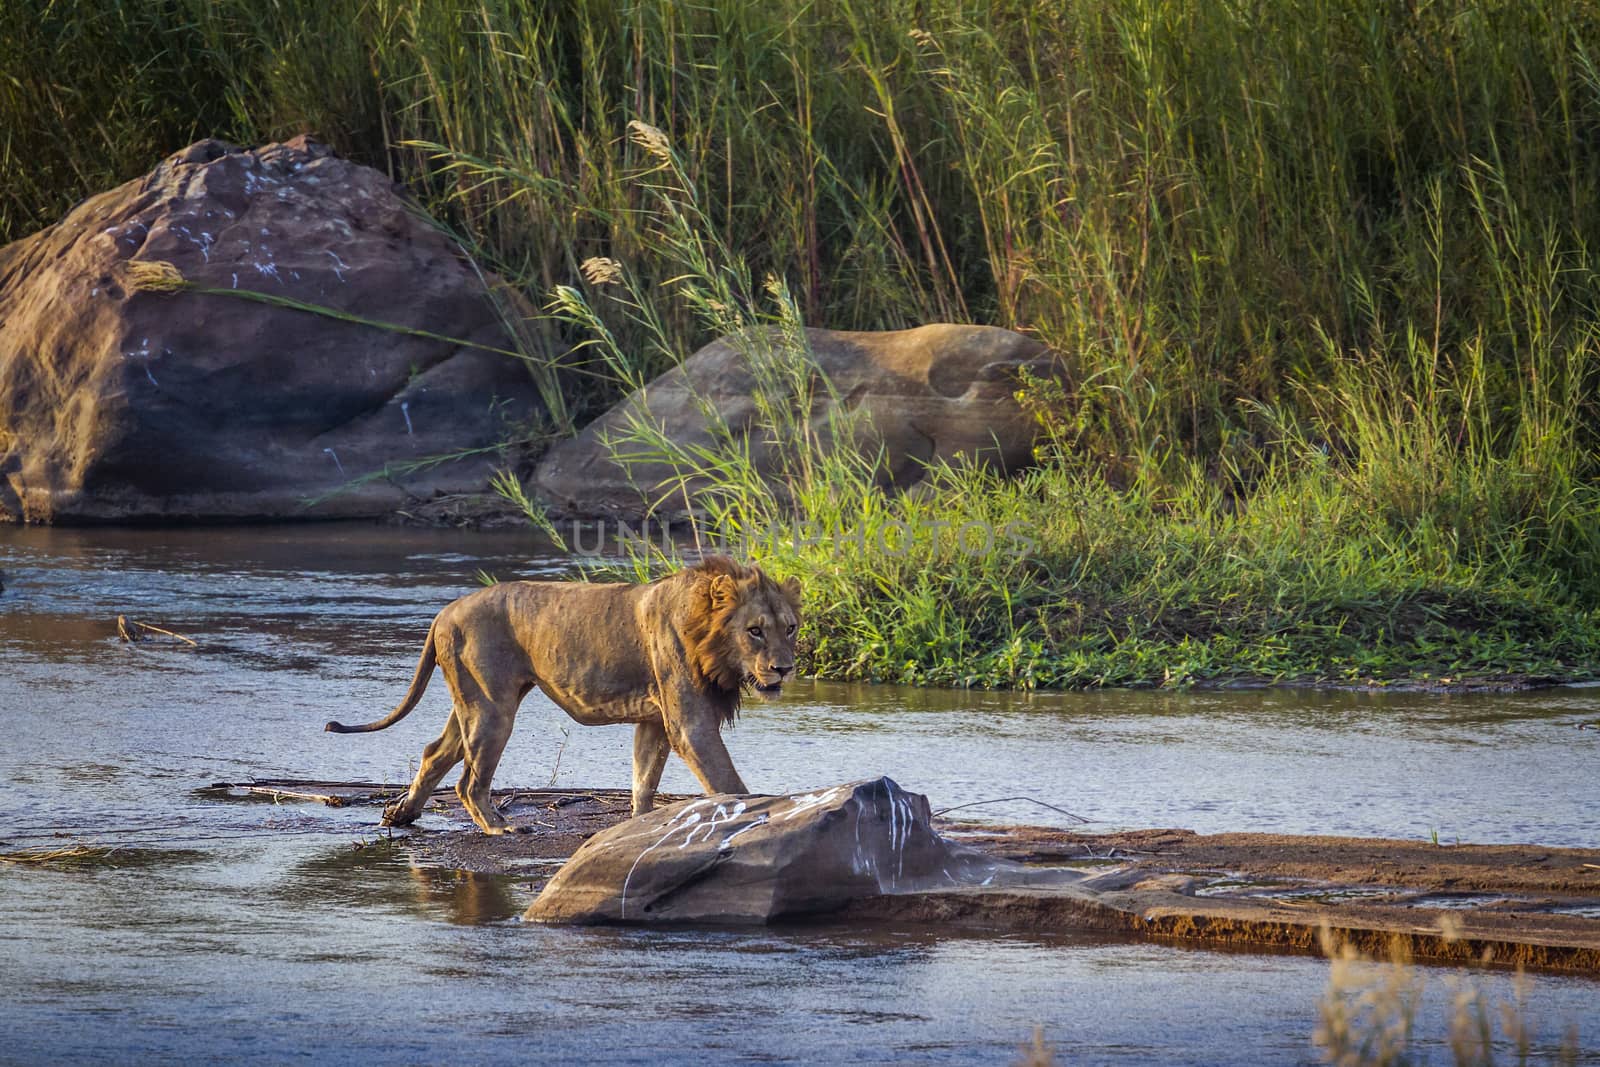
(396, 815)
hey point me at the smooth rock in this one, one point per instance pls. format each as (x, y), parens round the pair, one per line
(922, 395)
(756, 859)
(120, 404)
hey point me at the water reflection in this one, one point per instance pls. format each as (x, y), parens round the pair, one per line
(379, 874)
(467, 898)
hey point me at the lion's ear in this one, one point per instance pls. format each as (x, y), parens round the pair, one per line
(722, 590)
(791, 589)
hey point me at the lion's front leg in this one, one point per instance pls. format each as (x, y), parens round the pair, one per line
(696, 736)
(693, 722)
(650, 751)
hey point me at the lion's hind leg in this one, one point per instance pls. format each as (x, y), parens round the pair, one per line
(486, 738)
(442, 753)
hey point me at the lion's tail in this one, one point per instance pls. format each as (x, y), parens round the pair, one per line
(419, 682)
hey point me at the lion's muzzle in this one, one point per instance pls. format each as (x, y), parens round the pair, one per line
(769, 681)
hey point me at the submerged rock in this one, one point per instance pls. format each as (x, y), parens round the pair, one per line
(117, 403)
(920, 395)
(754, 859)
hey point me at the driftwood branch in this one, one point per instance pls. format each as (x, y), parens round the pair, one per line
(131, 630)
(1004, 800)
(337, 794)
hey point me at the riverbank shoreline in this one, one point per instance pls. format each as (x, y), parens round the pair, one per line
(1132, 664)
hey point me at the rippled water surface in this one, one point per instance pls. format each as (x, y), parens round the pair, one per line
(260, 933)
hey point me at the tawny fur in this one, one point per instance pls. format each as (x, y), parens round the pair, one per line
(672, 657)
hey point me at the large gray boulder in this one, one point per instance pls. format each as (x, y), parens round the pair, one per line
(756, 859)
(920, 395)
(117, 403)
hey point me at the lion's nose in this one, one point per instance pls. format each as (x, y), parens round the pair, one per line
(783, 670)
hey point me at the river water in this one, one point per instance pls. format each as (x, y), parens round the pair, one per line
(261, 933)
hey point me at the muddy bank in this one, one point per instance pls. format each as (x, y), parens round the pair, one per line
(1365, 865)
(1437, 681)
(555, 821)
(1521, 905)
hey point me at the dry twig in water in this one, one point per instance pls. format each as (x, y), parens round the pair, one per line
(38, 856)
(1003, 800)
(131, 631)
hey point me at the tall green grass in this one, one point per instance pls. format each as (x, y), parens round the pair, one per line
(1390, 533)
(1195, 202)
(1322, 273)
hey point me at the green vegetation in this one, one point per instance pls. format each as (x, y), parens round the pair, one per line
(1418, 556)
(1324, 276)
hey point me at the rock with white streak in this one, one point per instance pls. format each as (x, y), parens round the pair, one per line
(757, 859)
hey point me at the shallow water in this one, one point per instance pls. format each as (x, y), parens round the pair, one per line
(266, 934)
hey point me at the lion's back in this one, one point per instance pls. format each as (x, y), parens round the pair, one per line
(582, 641)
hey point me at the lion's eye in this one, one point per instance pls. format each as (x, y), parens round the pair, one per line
(755, 631)
(791, 629)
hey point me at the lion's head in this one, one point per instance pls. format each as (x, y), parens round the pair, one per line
(741, 626)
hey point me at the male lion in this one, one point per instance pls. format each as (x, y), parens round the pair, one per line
(672, 656)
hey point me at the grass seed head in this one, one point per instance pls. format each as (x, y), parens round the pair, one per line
(155, 276)
(601, 270)
(651, 139)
